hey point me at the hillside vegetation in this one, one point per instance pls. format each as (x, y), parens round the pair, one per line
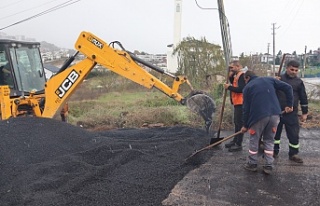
(109, 101)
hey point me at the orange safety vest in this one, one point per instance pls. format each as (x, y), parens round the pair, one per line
(237, 98)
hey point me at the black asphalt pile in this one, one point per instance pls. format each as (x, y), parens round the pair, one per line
(47, 162)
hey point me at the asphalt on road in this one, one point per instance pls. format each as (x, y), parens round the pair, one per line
(222, 180)
(48, 162)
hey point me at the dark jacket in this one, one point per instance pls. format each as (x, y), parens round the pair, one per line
(260, 99)
(299, 93)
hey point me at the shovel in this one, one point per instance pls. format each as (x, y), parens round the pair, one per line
(217, 137)
(212, 145)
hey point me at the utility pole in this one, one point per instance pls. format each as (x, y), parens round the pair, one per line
(225, 33)
(268, 54)
(274, 47)
(304, 62)
(226, 40)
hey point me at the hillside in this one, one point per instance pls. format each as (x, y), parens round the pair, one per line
(45, 47)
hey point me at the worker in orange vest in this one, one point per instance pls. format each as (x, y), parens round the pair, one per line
(237, 84)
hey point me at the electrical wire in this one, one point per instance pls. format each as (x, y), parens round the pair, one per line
(60, 6)
(204, 7)
(280, 14)
(8, 5)
(294, 17)
(20, 12)
(226, 32)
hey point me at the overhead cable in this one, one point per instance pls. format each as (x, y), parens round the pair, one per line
(8, 5)
(67, 3)
(20, 12)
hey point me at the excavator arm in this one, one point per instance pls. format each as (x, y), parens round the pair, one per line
(63, 84)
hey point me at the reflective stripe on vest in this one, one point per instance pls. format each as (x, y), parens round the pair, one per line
(237, 98)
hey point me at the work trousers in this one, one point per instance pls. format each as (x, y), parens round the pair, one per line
(292, 127)
(238, 123)
(265, 128)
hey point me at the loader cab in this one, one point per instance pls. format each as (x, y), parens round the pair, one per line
(21, 67)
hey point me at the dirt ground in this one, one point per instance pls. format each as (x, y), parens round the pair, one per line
(48, 162)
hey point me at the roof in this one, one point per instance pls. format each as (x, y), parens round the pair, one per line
(51, 68)
(9, 41)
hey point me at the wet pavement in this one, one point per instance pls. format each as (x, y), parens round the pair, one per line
(223, 181)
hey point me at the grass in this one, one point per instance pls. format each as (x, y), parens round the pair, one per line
(110, 101)
(130, 105)
(312, 72)
(129, 109)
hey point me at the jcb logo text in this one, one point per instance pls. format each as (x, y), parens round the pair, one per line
(95, 42)
(67, 84)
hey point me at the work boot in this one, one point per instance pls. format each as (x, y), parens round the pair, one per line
(296, 159)
(228, 145)
(235, 148)
(267, 169)
(250, 167)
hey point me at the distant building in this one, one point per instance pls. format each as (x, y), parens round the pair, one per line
(266, 58)
(15, 37)
(50, 70)
(20, 37)
(159, 60)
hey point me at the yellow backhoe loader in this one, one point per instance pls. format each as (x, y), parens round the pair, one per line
(25, 91)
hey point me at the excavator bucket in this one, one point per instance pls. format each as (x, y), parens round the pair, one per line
(202, 104)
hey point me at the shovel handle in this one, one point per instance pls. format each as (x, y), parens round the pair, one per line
(214, 144)
(281, 64)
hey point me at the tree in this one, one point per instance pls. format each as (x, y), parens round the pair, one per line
(277, 60)
(136, 52)
(245, 61)
(279, 53)
(200, 60)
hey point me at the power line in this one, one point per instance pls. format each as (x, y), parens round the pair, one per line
(8, 5)
(294, 17)
(20, 12)
(204, 7)
(225, 29)
(285, 7)
(60, 6)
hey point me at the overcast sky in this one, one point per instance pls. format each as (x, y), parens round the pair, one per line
(147, 25)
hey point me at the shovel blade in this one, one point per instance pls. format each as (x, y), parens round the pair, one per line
(214, 140)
